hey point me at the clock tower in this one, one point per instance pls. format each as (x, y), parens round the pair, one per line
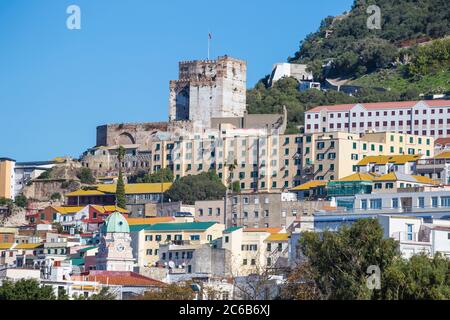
(115, 253)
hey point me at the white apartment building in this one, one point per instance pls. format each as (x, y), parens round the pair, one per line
(415, 236)
(427, 118)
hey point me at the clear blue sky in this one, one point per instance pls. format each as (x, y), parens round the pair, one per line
(57, 85)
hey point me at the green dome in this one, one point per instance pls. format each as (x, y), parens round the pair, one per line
(116, 223)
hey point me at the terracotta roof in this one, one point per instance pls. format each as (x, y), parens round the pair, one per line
(398, 159)
(441, 228)
(442, 141)
(382, 105)
(123, 278)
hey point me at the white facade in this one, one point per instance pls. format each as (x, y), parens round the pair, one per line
(427, 118)
(432, 200)
(297, 71)
(415, 236)
(26, 171)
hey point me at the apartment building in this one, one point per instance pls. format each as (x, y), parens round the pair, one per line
(146, 239)
(266, 163)
(426, 118)
(140, 197)
(437, 168)
(268, 210)
(334, 155)
(415, 236)
(7, 178)
(256, 250)
(257, 160)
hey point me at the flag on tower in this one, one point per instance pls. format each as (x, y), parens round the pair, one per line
(209, 35)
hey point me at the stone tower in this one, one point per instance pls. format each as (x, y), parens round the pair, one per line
(208, 89)
(115, 253)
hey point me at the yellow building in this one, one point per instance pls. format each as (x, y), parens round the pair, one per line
(255, 250)
(146, 239)
(7, 178)
(334, 155)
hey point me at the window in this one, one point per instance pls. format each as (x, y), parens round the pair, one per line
(149, 252)
(389, 185)
(375, 203)
(364, 204)
(227, 239)
(378, 185)
(421, 202)
(445, 201)
(195, 237)
(395, 203)
(434, 202)
(409, 232)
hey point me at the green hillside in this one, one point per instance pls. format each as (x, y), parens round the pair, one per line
(409, 56)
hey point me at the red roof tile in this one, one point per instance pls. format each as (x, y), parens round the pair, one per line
(382, 105)
(442, 141)
(123, 278)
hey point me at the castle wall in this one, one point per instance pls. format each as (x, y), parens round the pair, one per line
(128, 133)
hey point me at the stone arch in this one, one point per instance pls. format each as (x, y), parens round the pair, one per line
(125, 138)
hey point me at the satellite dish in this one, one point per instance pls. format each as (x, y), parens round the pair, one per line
(171, 264)
(184, 264)
(165, 263)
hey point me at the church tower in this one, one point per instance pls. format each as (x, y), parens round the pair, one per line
(115, 253)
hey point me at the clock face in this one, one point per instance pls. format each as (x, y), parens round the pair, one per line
(120, 247)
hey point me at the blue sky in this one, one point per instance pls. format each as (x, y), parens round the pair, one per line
(57, 85)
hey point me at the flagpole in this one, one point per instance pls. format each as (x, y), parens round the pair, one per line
(209, 44)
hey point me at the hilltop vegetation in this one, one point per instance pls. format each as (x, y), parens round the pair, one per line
(389, 58)
(355, 49)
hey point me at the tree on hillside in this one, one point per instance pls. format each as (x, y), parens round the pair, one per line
(162, 175)
(21, 201)
(25, 289)
(204, 186)
(121, 200)
(85, 175)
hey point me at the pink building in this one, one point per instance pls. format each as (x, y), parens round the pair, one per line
(428, 118)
